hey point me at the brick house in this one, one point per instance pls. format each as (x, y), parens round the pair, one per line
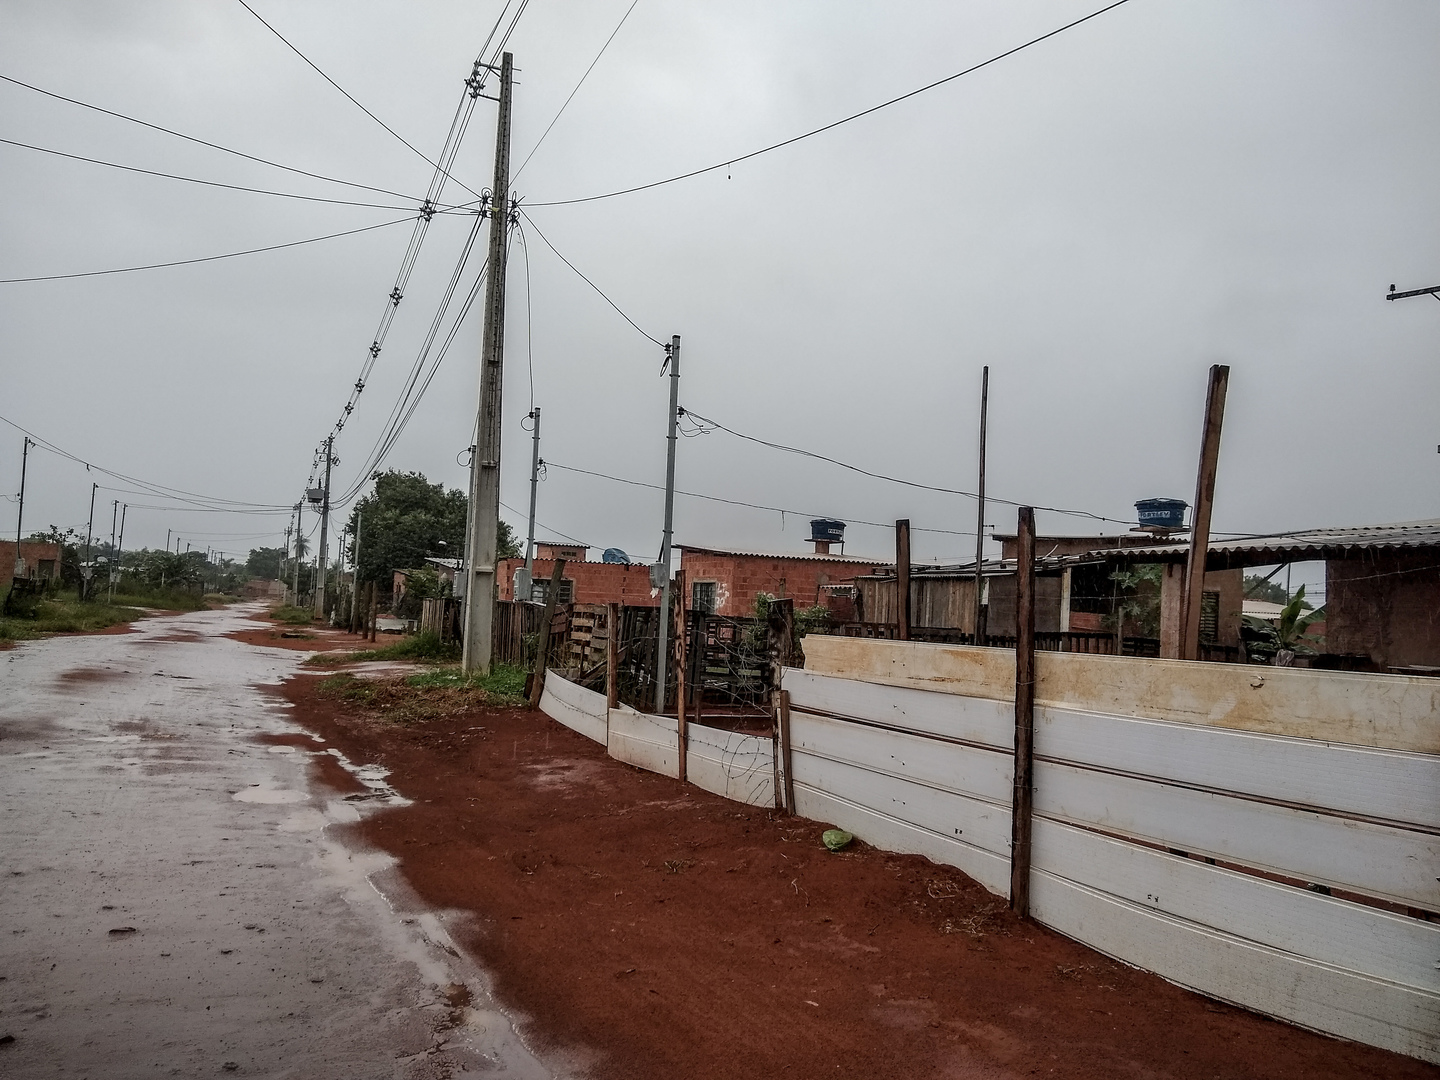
(725, 582)
(582, 582)
(41, 559)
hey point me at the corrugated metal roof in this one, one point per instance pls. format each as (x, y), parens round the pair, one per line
(1311, 543)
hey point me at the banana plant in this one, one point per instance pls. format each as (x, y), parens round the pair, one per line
(1286, 638)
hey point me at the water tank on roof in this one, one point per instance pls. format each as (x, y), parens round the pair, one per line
(827, 530)
(1161, 513)
(615, 555)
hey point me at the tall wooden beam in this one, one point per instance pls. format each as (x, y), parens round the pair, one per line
(1200, 514)
(542, 647)
(1022, 798)
(902, 579)
(680, 658)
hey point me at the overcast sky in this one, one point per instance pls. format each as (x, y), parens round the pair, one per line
(1099, 218)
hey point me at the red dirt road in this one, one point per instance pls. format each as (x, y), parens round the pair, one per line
(652, 930)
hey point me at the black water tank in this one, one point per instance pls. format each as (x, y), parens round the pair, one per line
(828, 530)
(1161, 513)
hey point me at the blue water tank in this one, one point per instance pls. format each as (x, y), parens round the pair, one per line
(615, 555)
(1161, 513)
(828, 530)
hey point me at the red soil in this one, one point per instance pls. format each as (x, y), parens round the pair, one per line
(657, 931)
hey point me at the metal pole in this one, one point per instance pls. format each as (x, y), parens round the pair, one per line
(1200, 520)
(661, 664)
(534, 491)
(484, 503)
(980, 507)
(322, 555)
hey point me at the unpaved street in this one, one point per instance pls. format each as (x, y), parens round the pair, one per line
(170, 901)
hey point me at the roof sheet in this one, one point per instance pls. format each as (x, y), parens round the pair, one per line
(1316, 543)
(801, 556)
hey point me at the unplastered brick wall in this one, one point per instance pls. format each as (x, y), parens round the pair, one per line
(595, 582)
(738, 578)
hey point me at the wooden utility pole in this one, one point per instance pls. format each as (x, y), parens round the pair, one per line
(612, 656)
(680, 719)
(1200, 515)
(299, 539)
(542, 647)
(1024, 790)
(323, 558)
(484, 504)
(661, 660)
(20, 513)
(980, 510)
(902, 579)
(114, 510)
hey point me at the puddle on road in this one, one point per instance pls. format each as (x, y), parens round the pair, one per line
(270, 796)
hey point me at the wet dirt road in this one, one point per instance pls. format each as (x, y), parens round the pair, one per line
(171, 903)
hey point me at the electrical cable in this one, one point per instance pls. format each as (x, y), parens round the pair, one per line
(576, 90)
(837, 123)
(349, 96)
(587, 281)
(196, 180)
(547, 528)
(529, 319)
(897, 479)
(740, 502)
(204, 142)
(206, 258)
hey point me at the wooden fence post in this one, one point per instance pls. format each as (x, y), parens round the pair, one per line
(612, 656)
(542, 647)
(902, 579)
(374, 607)
(1190, 598)
(1024, 788)
(680, 627)
(783, 758)
(780, 628)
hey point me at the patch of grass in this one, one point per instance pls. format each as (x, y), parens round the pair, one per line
(136, 595)
(406, 701)
(66, 615)
(422, 648)
(294, 616)
(504, 681)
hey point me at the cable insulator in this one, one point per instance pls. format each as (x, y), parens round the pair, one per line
(375, 348)
(427, 210)
(359, 387)
(396, 296)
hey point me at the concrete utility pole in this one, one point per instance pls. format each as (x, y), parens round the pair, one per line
(87, 571)
(324, 527)
(20, 513)
(114, 511)
(484, 503)
(1200, 521)
(299, 538)
(523, 593)
(980, 509)
(660, 658)
(120, 543)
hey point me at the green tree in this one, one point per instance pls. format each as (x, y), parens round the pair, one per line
(407, 520)
(264, 562)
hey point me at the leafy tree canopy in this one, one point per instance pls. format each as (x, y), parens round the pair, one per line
(407, 520)
(264, 562)
(1267, 589)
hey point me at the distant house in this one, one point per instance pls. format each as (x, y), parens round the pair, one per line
(39, 560)
(726, 582)
(581, 582)
(1382, 588)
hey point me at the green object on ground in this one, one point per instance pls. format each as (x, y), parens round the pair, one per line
(835, 839)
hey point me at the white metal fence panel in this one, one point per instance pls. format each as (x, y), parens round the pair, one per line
(729, 763)
(645, 740)
(577, 708)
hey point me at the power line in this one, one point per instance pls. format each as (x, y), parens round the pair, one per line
(837, 123)
(161, 490)
(576, 90)
(202, 142)
(739, 502)
(897, 479)
(351, 97)
(587, 281)
(206, 258)
(548, 528)
(196, 180)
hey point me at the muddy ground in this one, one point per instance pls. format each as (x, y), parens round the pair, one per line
(656, 931)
